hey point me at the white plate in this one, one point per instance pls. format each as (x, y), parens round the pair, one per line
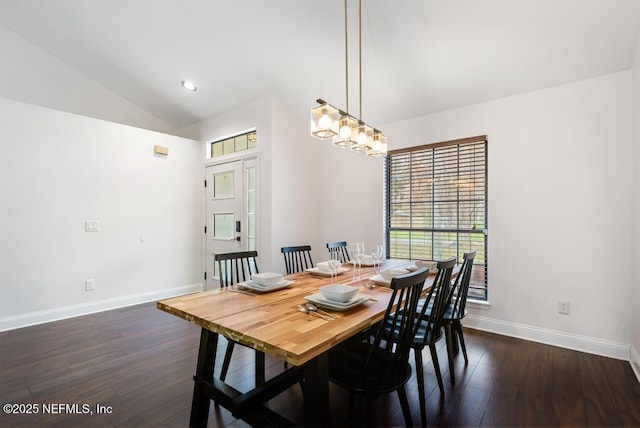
(319, 300)
(265, 289)
(320, 272)
(380, 280)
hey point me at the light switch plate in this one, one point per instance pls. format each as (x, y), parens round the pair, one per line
(91, 226)
(563, 307)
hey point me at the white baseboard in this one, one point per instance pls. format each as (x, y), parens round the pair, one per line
(587, 344)
(634, 359)
(40, 317)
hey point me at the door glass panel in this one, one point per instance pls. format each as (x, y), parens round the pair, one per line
(223, 185)
(241, 142)
(251, 208)
(229, 146)
(216, 149)
(253, 140)
(223, 226)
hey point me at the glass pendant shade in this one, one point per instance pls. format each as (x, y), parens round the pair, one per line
(364, 138)
(324, 121)
(347, 132)
(378, 145)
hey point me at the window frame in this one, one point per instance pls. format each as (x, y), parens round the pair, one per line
(480, 286)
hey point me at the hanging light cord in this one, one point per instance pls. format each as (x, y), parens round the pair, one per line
(346, 53)
(360, 51)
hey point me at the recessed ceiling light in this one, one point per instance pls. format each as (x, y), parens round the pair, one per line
(189, 86)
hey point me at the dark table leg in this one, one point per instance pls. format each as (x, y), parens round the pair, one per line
(204, 371)
(260, 372)
(316, 391)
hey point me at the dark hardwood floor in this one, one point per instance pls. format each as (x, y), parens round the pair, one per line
(137, 363)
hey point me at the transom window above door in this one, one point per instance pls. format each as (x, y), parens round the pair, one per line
(239, 143)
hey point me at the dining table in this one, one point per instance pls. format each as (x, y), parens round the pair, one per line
(272, 322)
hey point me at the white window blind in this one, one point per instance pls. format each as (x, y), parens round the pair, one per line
(436, 204)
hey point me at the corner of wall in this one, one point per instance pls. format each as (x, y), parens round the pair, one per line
(635, 329)
(634, 359)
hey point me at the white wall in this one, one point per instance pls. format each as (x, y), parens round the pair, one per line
(58, 170)
(559, 208)
(297, 182)
(635, 337)
(29, 74)
(353, 197)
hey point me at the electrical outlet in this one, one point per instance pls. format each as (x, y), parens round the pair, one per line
(89, 284)
(563, 307)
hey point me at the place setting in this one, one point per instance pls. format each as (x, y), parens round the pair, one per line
(338, 297)
(265, 283)
(329, 268)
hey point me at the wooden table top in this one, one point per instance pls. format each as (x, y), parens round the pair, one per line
(272, 323)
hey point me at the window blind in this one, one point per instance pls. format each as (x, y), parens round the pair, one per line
(436, 204)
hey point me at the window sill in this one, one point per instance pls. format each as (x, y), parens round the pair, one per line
(479, 304)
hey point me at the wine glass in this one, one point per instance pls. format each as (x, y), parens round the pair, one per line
(359, 255)
(377, 254)
(353, 250)
(334, 267)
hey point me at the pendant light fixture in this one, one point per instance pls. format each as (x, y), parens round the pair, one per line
(346, 130)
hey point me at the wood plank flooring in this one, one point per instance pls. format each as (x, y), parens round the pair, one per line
(138, 362)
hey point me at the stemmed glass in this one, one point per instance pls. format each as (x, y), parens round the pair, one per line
(353, 250)
(377, 254)
(359, 254)
(357, 251)
(334, 267)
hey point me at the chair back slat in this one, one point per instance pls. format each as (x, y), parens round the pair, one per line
(297, 259)
(460, 289)
(236, 267)
(436, 299)
(338, 250)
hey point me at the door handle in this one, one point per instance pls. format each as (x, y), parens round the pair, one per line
(238, 228)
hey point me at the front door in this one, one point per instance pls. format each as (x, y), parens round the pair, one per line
(226, 212)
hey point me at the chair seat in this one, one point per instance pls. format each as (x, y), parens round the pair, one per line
(346, 365)
(425, 334)
(448, 313)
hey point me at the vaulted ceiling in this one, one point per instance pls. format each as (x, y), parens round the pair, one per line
(418, 56)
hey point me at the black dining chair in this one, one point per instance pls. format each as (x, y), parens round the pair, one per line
(382, 366)
(338, 250)
(456, 310)
(234, 268)
(297, 259)
(429, 329)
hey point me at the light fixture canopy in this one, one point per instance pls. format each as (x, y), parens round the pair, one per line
(348, 131)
